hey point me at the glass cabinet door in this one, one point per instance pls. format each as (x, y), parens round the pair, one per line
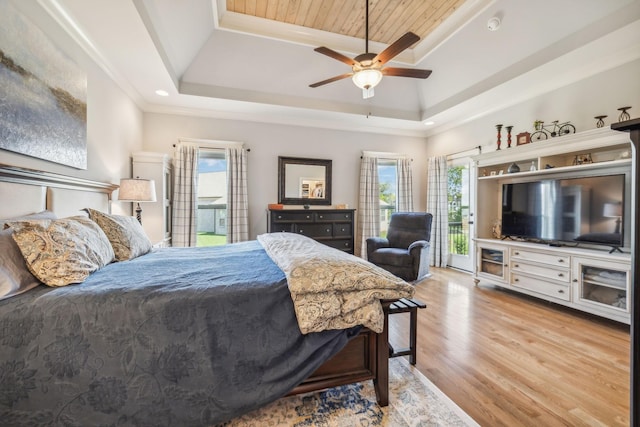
(605, 286)
(492, 262)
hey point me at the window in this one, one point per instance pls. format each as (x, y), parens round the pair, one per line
(211, 225)
(388, 180)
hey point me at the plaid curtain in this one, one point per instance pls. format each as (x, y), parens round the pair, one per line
(437, 205)
(237, 197)
(405, 186)
(185, 196)
(368, 205)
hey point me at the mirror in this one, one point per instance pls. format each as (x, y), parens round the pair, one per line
(304, 181)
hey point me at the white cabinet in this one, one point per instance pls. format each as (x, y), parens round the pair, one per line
(156, 216)
(583, 276)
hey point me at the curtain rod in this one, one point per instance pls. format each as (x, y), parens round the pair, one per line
(479, 148)
(215, 148)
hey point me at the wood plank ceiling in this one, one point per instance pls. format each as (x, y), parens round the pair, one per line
(388, 19)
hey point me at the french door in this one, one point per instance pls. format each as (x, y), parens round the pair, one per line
(461, 198)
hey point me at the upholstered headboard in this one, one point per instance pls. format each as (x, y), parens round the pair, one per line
(25, 191)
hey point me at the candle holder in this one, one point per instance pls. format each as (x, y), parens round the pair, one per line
(499, 129)
(508, 128)
(600, 122)
(624, 115)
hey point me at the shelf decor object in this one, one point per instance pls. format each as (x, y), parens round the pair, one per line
(499, 129)
(523, 138)
(508, 128)
(600, 122)
(513, 168)
(624, 116)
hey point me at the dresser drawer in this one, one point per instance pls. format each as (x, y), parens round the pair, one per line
(315, 230)
(334, 216)
(342, 244)
(292, 217)
(560, 274)
(547, 258)
(340, 230)
(555, 290)
(277, 228)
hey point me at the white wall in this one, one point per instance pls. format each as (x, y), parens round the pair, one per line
(268, 141)
(578, 103)
(114, 122)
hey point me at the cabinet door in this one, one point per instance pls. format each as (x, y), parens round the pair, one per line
(602, 287)
(492, 262)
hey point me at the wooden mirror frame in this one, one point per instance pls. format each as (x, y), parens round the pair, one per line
(282, 179)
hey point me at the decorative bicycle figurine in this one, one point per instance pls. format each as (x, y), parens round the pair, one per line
(543, 132)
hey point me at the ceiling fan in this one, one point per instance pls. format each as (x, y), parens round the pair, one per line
(367, 67)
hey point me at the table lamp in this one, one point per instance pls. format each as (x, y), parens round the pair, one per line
(137, 190)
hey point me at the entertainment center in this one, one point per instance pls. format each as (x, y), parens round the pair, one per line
(566, 220)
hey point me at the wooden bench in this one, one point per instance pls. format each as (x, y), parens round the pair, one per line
(410, 306)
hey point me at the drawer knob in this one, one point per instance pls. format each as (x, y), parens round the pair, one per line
(516, 253)
(346, 245)
(560, 260)
(516, 280)
(308, 217)
(575, 280)
(517, 265)
(328, 229)
(301, 231)
(560, 275)
(320, 216)
(279, 216)
(561, 291)
(342, 229)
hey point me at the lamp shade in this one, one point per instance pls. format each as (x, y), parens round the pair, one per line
(367, 78)
(612, 210)
(137, 190)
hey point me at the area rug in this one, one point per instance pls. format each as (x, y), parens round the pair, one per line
(413, 401)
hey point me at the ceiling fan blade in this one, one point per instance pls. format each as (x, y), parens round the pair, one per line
(406, 72)
(331, 80)
(396, 47)
(335, 55)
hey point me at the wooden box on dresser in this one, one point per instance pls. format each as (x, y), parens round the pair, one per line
(586, 277)
(333, 227)
(156, 217)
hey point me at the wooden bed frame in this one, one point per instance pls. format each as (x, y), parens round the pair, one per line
(25, 191)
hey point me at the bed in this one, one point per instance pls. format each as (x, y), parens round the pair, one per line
(178, 336)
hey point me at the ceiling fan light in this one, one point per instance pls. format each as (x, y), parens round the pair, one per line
(366, 79)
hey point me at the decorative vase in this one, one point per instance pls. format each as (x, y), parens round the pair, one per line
(499, 129)
(513, 168)
(508, 128)
(533, 166)
(600, 122)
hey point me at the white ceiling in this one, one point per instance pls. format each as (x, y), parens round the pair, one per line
(221, 64)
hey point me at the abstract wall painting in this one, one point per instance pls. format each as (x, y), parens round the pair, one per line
(43, 94)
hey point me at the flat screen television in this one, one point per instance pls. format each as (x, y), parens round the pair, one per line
(583, 210)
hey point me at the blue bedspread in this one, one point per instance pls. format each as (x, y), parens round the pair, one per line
(177, 337)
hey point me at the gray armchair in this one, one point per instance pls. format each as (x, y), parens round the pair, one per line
(405, 251)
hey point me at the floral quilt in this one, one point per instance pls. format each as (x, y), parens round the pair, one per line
(331, 289)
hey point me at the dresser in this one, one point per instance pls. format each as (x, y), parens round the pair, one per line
(333, 227)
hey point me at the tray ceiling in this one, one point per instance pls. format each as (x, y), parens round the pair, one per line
(388, 19)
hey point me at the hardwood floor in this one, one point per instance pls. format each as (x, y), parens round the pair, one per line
(510, 360)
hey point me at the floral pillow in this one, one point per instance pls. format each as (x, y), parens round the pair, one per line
(15, 277)
(63, 251)
(125, 234)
